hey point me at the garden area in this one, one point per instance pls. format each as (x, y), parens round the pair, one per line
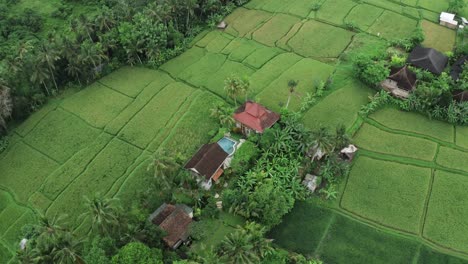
(401, 198)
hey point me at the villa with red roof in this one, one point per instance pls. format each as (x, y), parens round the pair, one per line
(253, 117)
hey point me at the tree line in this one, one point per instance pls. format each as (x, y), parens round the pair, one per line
(38, 65)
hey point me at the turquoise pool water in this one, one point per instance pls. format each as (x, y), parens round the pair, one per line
(227, 145)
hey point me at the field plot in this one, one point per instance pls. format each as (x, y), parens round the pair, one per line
(120, 82)
(307, 71)
(372, 138)
(438, 37)
(451, 158)
(24, 169)
(109, 165)
(96, 104)
(447, 211)
(352, 242)
(462, 137)
(272, 70)
(244, 21)
(388, 193)
(197, 73)
(274, 29)
(316, 39)
(392, 26)
(59, 129)
(294, 235)
(415, 123)
(335, 11)
(340, 107)
(143, 127)
(363, 16)
(178, 64)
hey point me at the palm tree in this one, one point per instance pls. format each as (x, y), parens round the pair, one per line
(341, 139)
(163, 165)
(6, 104)
(190, 6)
(237, 248)
(246, 245)
(84, 25)
(40, 75)
(292, 84)
(321, 142)
(49, 55)
(104, 213)
(67, 250)
(223, 114)
(235, 86)
(105, 19)
(49, 229)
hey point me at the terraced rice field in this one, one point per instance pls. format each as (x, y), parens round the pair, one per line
(399, 204)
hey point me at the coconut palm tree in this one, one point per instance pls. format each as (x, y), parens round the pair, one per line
(235, 86)
(190, 6)
(321, 142)
(223, 114)
(104, 213)
(292, 84)
(341, 139)
(67, 249)
(164, 165)
(49, 229)
(6, 105)
(40, 75)
(246, 245)
(48, 56)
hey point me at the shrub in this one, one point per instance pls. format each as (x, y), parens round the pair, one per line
(371, 71)
(138, 253)
(244, 157)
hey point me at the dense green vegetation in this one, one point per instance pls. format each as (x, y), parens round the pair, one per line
(110, 154)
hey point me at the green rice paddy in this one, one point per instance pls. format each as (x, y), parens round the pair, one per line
(404, 200)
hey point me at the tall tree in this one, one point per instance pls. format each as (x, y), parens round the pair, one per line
(6, 105)
(164, 165)
(104, 214)
(292, 84)
(236, 86)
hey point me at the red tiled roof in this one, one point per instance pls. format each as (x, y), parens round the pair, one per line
(256, 116)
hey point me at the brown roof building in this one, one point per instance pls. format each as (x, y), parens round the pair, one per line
(405, 78)
(208, 161)
(175, 220)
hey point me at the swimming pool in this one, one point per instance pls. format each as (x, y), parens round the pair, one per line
(227, 145)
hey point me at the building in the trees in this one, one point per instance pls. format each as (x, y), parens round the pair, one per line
(210, 161)
(400, 82)
(428, 59)
(175, 220)
(253, 117)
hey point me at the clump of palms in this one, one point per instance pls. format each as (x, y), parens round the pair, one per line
(164, 166)
(246, 245)
(223, 113)
(51, 242)
(236, 86)
(104, 214)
